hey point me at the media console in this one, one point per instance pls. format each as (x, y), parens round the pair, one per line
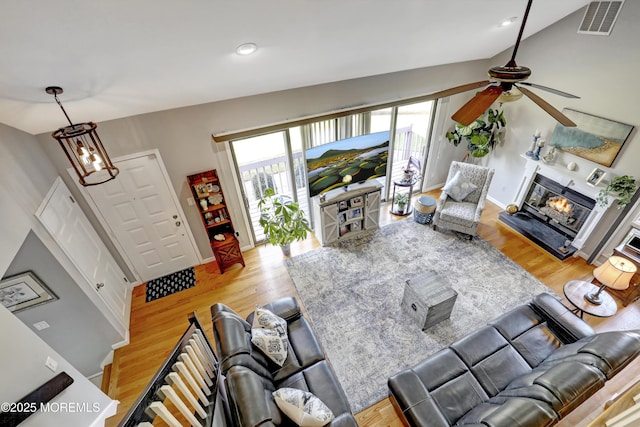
(340, 215)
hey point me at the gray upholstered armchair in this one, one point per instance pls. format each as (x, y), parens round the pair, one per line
(462, 200)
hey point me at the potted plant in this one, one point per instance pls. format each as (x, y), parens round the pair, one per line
(623, 187)
(481, 135)
(401, 200)
(282, 220)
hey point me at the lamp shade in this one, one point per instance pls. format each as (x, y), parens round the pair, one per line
(616, 273)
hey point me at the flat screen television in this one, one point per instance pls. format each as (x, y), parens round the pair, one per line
(363, 157)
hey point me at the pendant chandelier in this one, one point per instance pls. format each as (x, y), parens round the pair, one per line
(83, 148)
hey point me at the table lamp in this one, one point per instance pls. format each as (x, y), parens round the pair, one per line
(615, 273)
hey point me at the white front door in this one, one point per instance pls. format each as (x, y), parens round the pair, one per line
(145, 219)
(70, 228)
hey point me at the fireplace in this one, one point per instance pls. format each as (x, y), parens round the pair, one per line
(551, 215)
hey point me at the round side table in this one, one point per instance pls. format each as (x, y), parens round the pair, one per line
(403, 183)
(575, 290)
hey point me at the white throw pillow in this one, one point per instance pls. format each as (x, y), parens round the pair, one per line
(459, 188)
(271, 344)
(304, 409)
(264, 318)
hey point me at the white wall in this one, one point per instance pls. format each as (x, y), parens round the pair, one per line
(23, 369)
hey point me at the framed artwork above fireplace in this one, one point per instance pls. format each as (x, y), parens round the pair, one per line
(594, 138)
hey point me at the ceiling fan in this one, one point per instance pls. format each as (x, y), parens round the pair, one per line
(502, 81)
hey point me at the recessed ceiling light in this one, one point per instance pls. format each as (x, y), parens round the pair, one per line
(246, 49)
(509, 21)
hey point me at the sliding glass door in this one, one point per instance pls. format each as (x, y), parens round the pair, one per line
(277, 160)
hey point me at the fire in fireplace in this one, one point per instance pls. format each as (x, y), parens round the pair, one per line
(551, 216)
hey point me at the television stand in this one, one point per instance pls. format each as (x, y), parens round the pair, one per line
(340, 215)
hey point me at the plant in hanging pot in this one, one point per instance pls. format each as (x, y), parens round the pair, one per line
(282, 220)
(402, 200)
(482, 135)
(623, 187)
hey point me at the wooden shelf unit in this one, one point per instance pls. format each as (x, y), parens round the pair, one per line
(211, 204)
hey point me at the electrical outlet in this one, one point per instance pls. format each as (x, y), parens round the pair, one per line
(41, 325)
(51, 364)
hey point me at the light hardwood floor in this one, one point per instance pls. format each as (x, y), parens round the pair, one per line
(157, 325)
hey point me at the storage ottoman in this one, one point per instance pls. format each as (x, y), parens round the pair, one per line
(428, 299)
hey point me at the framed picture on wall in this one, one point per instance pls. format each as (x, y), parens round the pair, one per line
(24, 290)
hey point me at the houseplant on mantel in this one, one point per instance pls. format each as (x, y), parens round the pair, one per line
(623, 187)
(282, 220)
(482, 134)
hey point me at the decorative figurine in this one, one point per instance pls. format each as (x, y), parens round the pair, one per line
(536, 137)
(536, 154)
(550, 156)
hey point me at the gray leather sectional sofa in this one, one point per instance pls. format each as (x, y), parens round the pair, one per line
(250, 377)
(529, 367)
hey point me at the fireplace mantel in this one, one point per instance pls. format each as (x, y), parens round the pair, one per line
(561, 175)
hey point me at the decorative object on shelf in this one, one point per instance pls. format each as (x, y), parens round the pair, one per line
(402, 200)
(536, 153)
(23, 291)
(615, 273)
(536, 137)
(206, 189)
(595, 177)
(511, 208)
(83, 147)
(550, 156)
(623, 187)
(282, 220)
(595, 138)
(572, 166)
(482, 135)
(347, 180)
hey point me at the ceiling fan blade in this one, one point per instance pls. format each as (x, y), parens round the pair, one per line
(561, 118)
(477, 105)
(459, 89)
(550, 89)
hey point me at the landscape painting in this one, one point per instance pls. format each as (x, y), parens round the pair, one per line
(594, 138)
(360, 158)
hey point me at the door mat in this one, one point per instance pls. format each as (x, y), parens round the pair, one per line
(170, 284)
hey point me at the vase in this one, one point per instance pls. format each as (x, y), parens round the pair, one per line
(203, 203)
(286, 249)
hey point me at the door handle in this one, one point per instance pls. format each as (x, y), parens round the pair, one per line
(178, 223)
(99, 285)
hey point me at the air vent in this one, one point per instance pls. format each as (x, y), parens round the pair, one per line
(600, 17)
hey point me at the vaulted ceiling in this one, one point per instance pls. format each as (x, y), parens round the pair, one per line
(119, 58)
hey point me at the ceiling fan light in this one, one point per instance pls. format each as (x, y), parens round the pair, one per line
(509, 96)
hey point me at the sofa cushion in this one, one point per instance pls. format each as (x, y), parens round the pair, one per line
(491, 359)
(461, 213)
(263, 318)
(271, 343)
(513, 412)
(571, 383)
(450, 384)
(302, 407)
(320, 380)
(528, 333)
(616, 349)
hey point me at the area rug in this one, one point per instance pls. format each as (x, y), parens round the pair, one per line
(170, 284)
(352, 293)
